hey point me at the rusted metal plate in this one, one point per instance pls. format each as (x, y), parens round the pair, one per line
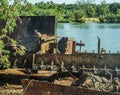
(46, 88)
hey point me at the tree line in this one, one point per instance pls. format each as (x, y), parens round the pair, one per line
(71, 12)
(109, 13)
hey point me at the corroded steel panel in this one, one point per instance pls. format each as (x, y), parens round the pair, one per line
(87, 59)
(45, 88)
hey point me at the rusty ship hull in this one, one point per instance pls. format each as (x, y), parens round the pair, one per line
(91, 62)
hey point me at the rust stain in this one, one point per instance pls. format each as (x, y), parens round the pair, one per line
(46, 88)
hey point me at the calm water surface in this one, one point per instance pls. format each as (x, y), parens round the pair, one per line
(88, 33)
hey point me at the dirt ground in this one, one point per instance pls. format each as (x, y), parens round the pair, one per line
(13, 71)
(8, 89)
(8, 86)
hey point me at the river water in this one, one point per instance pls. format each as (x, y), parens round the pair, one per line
(88, 33)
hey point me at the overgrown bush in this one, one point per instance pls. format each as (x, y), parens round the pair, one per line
(8, 14)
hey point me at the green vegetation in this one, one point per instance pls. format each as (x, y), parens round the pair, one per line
(76, 12)
(8, 15)
(69, 12)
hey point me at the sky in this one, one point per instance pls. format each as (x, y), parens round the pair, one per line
(70, 1)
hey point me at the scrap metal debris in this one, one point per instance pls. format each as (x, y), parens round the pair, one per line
(100, 83)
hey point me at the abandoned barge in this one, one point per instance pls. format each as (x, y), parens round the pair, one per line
(43, 52)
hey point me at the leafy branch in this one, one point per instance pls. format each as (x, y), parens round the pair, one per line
(8, 14)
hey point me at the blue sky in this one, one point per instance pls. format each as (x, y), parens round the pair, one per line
(70, 1)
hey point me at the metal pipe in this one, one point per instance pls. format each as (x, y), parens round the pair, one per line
(98, 45)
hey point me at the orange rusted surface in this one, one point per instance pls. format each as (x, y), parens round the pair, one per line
(46, 88)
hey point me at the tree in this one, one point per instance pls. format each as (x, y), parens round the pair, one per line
(79, 15)
(69, 15)
(90, 11)
(84, 1)
(28, 10)
(8, 14)
(114, 8)
(102, 10)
